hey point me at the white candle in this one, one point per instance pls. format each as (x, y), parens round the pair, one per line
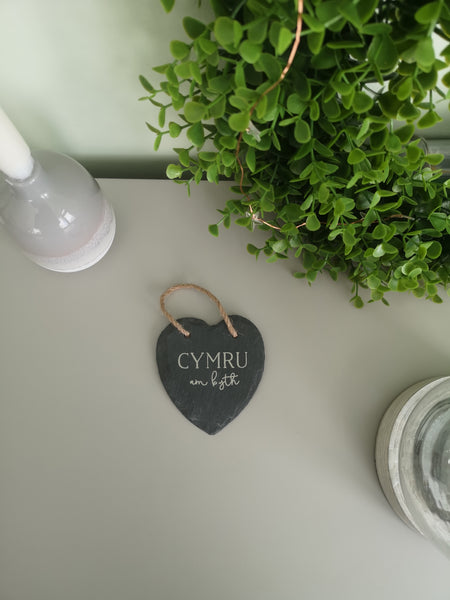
(15, 156)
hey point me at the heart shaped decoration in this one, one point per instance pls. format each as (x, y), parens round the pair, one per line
(210, 375)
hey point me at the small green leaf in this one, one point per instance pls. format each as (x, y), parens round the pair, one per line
(167, 4)
(366, 9)
(146, 84)
(227, 158)
(196, 135)
(262, 108)
(382, 52)
(250, 159)
(378, 139)
(303, 87)
(295, 104)
(198, 175)
(379, 232)
(356, 156)
(389, 104)
(429, 13)
(431, 289)
(340, 86)
(331, 108)
(157, 142)
(212, 174)
(194, 111)
(228, 31)
(183, 70)
(244, 221)
(153, 129)
(174, 129)
(415, 273)
(270, 65)
(376, 28)
(362, 102)
(208, 46)
(315, 41)
(344, 44)
(162, 68)
(250, 52)
(239, 121)
(405, 133)
(348, 237)
(302, 131)
(435, 250)
(327, 11)
(428, 81)
(312, 222)
(239, 76)
(183, 156)
(313, 23)
(279, 246)
(438, 220)
(266, 202)
(220, 84)
(358, 302)
(257, 31)
(274, 33)
(179, 50)
(408, 111)
(284, 40)
(196, 73)
(324, 193)
(379, 251)
(207, 156)
(217, 108)
(393, 143)
(404, 89)
(174, 171)
(193, 27)
(228, 141)
(373, 282)
(162, 117)
(413, 153)
(424, 53)
(429, 119)
(213, 230)
(434, 159)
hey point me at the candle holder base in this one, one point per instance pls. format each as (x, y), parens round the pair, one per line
(58, 215)
(86, 256)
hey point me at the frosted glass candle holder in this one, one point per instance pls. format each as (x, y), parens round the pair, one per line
(57, 215)
(413, 459)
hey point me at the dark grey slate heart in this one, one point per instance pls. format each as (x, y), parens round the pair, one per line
(210, 376)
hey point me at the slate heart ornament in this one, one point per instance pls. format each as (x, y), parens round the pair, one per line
(210, 372)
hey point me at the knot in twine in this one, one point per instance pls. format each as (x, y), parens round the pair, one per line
(178, 325)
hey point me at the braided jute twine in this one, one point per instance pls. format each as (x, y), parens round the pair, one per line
(184, 286)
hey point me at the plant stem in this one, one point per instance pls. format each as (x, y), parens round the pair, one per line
(238, 8)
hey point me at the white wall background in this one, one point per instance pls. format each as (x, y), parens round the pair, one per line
(69, 77)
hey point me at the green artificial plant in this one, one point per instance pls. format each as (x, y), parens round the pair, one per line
(315, 110)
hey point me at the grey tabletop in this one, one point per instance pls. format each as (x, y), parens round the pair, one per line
(108, 492)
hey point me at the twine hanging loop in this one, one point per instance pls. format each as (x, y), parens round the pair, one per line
(178, 325)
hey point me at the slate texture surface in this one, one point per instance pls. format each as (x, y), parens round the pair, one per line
(210, 376)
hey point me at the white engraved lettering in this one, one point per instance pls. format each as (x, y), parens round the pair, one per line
(179, 360)
(197, 360)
